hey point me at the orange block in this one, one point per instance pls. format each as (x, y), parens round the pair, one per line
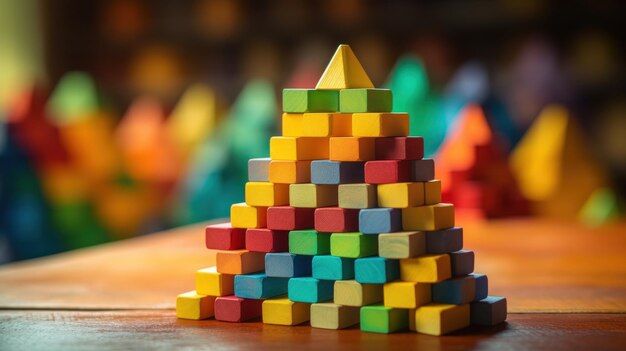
(352, 149)
(290, 172)
(239, 261)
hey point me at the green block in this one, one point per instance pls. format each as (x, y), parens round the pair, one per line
(333, 267)
(385, 320)
(310, 290)
(310, 100)
(353, 245)
(365, 100)
(309, 242)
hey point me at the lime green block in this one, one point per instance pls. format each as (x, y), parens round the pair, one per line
(309, 100)
(309, 242)
(353, 245)
(601, 207)
(74, 98)
(385, 320)
(365, 100)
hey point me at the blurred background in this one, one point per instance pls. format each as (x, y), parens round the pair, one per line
(124, 117)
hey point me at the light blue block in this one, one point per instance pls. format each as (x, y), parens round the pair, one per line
(488, 311)
(259, 286)
(482, 286)
(336, 172)
(333, 268)
(444, 241)
(310, 290)
(259, 169)
(455, 291)
(380, 220)
(461, 262)
(376, 270)
(286, 265)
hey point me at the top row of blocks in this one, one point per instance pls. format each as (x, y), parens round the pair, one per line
(347, 100)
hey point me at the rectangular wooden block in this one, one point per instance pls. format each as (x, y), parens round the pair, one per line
(259, 286)
(380, 220)
(331, 316)
(310, 100)
(365, 100)
(357, 196)
(309, 242)
(293, 124)
(425, 269)
(245, 216)
(351, 149)
(402, 245)
(267, 240)
(406, 294)
(213, 283)
(380, 124)
(310, 290)
(400, 148)
(422, 170)
(440, 319)
(327, 124)
(290, 218)
(353, 245)
(445, 241)
(264, 194)
(455, 291)
(281, 311)
(287, 265)
(387, 171)
(332, 268)
(482, 286)
(258, 169)
(312, 195)
(336, 172)
(461, 262)
(237, 309)
(298, 148)
(384, 320)
(239, 261)
(428, 218)
(191, 305)
(224, 237)
(376, 270)
(353, 293)
(488, 311)
(290, 172)
(432, 192)
(401, 195)
(336, 219)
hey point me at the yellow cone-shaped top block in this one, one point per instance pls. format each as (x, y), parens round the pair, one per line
(344, 72)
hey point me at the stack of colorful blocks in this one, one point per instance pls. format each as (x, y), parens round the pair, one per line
(343, 225)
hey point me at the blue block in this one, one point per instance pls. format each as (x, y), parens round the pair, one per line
(259, 286)
(444, 241)
(376, 270)
(332, 267)
(286, 265)
(380, 220)
(310, 290)
(488, 311)
(455, 291)
(482, 286)
(461, 262)
(258, 169)
(335, 172)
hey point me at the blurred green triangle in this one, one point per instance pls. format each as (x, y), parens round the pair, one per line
(74, 98)
(601, 207)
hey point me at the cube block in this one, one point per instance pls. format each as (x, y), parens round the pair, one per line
(402, 245)
(407, 294)
(461, 262)
(427, 218)
(292, 125)
(400, 148)
(310, 290)
(387, 171)
(237, 309)
(376, 270)
(353, 245)
(264, 194)
(488, 311)
(287, 265)
(384, 320)
(331, 316)
(312, 195)
(380, 124)
(422, 170)
(267, 240)
(224, 237)
(432, 192)
(353, 293)
(425, 269)
(365, 100)
(336, 172)
(309, 242)
(336, 219)
(332, 268)
(258, 169)
(444, 241)
(191, 305)
(310, 100)
(357, 196)
(380, 220)
(259, 286)
(281, 311)
(239, 261)
(245, 216)
(351, 149)
(401, 195)
(482, 286)
(290, 172)
(213, 283)
(290, 218)
(455, 291)
(440, 319)
(327, 124)
(298, 148)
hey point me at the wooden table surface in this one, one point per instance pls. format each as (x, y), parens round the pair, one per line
(565, 284)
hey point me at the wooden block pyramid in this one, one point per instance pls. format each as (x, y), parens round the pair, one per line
(343, 225)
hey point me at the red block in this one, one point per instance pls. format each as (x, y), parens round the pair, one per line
(224, 237)
(387, 171)
(235, 309)
(289, 218)
(336, 220)
(400, 148)
(267, 240)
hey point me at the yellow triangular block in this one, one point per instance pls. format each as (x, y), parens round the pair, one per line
(344, 72)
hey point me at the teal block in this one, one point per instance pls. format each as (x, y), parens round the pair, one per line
(376, 270)
(310, 100)
(365, 100)
(488, 311)
(310, 290)
(333, 268)
(309, 242)
(259, 286)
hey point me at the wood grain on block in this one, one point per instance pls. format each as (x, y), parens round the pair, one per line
(290, 172)
(400, 148)
(332, 268)
(380, 220)
(287, 265)
(191, 305)
(310, 290)
(293, 124)
(290, 218)
(223, 236)
(213, 283)
(482, 286)
(380, 124)
(401, 244)
(461, 262)
(344, 72)
(422, 170)
(336, 172)
(353, 245)
(312, 195)
(336, 219)
(239, 261)
(401, 195)
(353, 293)
(440, 319)
(432, 192)
(328, 315)
(258, 169)
(309, 242)
(445, 241)
(351, 149)
(267, 240)
(357, 196)
(488, 311)
(406, 294)
(455, 291)
(327, 124)
(376, 270)
(237, 309)
(259, 286)
(298, 148)
(281, 311)
(425, 269)
(265, 194)
(384, 320)
(245, 216)
(365, 100)
(387, 171)
(427, 218)
(310, 100)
